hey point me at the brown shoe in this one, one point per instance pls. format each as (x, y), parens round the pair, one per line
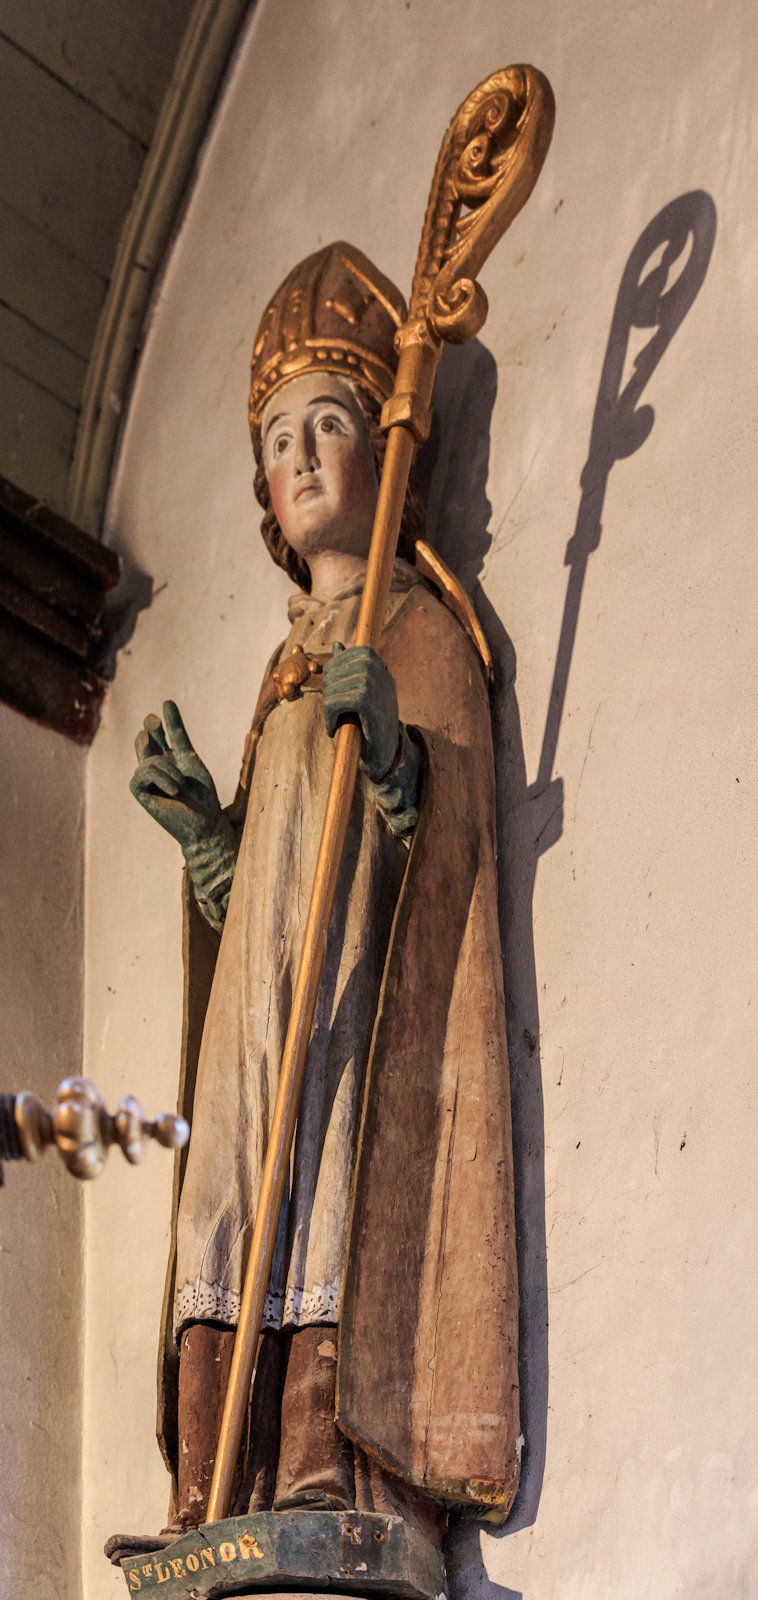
(205, 1361)
(315, 1458)
(263, 1443)
(205, 1358)
(378, 1489)
(121, 1545)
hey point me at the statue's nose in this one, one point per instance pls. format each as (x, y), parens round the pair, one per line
(305, 456)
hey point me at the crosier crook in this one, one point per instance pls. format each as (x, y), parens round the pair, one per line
(490, 159)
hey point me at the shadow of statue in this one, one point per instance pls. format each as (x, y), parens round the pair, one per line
(660, 281)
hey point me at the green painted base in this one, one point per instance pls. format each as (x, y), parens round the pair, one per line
(351, 1553)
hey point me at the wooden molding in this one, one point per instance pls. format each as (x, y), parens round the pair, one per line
(211, 33)
(53, 582)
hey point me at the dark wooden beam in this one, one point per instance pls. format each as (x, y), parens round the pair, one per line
(53, 583)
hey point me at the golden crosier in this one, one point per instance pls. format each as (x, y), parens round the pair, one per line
(490, 160)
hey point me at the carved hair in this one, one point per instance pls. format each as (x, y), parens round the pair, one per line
(412, 527)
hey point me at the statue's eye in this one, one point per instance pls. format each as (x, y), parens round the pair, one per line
(280, 444)
(328, 425)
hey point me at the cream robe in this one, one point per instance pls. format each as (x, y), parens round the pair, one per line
(428, 1318)
(247, 1017)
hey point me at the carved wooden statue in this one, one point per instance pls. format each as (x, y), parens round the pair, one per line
(386, 1364)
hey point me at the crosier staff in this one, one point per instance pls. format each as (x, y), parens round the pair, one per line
(489, 162)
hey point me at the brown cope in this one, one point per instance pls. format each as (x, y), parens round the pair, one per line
(427, 1372)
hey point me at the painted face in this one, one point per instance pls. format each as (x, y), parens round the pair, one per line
(320, 466)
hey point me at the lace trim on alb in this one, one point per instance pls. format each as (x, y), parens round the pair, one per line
(319, 1304)
(211, 1302)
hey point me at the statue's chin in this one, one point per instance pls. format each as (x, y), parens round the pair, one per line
(325, 536)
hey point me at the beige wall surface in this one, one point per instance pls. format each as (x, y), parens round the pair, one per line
(629, 909)
(41, 1213)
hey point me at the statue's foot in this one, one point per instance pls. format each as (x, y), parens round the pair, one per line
(121, 1545)
(313, 1499)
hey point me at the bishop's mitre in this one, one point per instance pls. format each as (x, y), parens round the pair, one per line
(334, 312)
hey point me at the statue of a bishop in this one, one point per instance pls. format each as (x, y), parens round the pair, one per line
(386, 1376)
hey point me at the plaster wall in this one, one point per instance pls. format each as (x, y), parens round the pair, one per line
(627, 851)
(41, 1213)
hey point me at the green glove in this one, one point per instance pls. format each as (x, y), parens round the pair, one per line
(357, 684)
(176, 788)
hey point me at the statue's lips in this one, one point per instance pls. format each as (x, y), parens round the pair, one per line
(308, 488)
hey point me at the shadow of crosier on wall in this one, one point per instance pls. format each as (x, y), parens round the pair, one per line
(661, 279)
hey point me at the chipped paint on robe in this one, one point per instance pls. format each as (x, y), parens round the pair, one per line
(427, 1372)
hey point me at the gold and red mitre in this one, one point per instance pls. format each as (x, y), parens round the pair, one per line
(335, 312)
